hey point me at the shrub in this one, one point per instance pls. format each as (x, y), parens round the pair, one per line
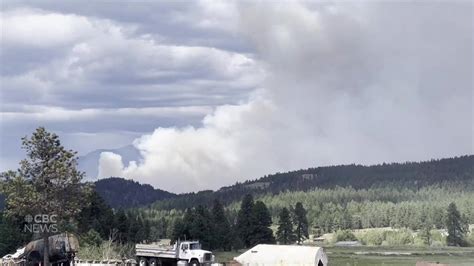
(399, 238)
(470, 239)
(437, 244)
(344, 235)
(107, 250)
(91, 238)
(373, 238)
(436, 235)
(419, 242)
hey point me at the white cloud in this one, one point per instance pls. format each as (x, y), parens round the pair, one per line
(110, 163)
(345, 84)
(30, 27)
(209, 156)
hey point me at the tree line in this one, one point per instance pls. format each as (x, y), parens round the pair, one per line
(348, 208)
(251, 226)
(413, 176)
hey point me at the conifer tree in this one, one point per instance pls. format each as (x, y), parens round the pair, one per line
(285, 234)
(141, 228)
(97, 215)
(178, 229)
(11, 234)
(245, 221)
(189, 217)
(47, 183)
(162, 228)
(301, 223)
(425, 235)
(147, 230)
(221, 227)
(201, 227)
(122, 223)
(455, 226)
(261, 222)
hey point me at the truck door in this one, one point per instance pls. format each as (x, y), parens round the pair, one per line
(184, 251)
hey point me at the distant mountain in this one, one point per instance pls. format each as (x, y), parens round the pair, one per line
(89, 163)
(412, 175)
(123, 193)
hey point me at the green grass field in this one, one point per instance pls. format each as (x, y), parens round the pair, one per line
(393, 256)
(352, 256)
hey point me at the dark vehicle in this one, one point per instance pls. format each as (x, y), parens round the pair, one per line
(62, 249)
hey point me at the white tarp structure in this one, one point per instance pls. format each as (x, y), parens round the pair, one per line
(273, 255)
(19, 252)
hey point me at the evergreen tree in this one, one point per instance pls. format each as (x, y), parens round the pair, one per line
(178, 230)
(201, 227)
(189, 217)
(47, 182)
(122, 224)
(285, 234)
(261, 222)
(236, 242)
(425, 235)
(139, 230)
(162, 228)
(133, 228)
(221, 227)
(425, 231)
(11, 234)
(97, 215)
(456, 229)
(146, 231)
(245, 221)
(301, 223)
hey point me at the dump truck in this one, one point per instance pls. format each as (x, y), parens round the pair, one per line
(182, 252)
(62, 249)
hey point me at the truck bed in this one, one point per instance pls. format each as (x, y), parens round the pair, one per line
(143, 250)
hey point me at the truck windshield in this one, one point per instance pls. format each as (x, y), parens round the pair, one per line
(195, 246)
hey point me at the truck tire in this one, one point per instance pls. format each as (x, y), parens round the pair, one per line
(34, 259)
(155, 262)
(142, 261)
(194, 262)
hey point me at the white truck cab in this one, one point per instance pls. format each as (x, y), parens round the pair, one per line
(188, 251)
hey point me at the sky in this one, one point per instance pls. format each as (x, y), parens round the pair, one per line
(215, 92)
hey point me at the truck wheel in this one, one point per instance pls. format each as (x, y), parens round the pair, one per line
(34, 259)
(194, 263)
(155, 262)
(142, 262)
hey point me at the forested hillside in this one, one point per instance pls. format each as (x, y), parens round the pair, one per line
(412, 175)
(122, 193)
(119, 192)
(413, 196)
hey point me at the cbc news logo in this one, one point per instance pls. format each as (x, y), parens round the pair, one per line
(41, 223)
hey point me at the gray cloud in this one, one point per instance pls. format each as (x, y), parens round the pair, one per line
(102, 62)
(70, 67)
(197, 23)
